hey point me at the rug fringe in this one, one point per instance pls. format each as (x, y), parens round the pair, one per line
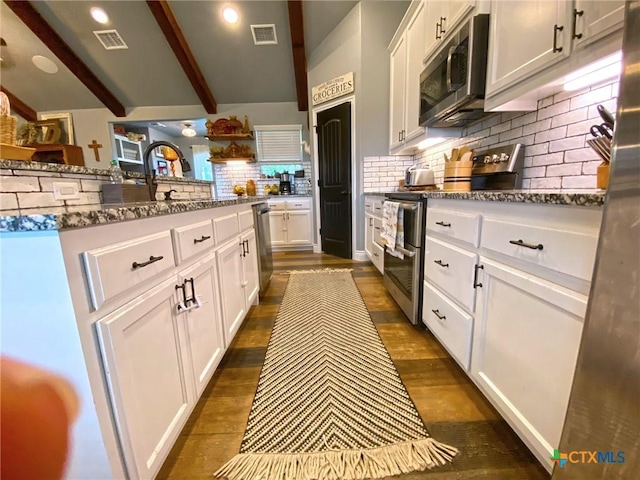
(321, 270)
(389, 460)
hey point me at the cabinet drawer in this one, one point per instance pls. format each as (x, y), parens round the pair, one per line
(377, 256)
(277, 205)
(461, 226)
(377, 206)
(246, 220)
(111, 270)
(191, 240)
(226, 228)
(452, 269)
(564, 251)
(451, 325)
(300, 204)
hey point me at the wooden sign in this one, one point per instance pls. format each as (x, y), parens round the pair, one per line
(334, 88)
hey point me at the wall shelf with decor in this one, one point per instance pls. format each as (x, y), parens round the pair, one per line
(251, 159)
(232, 136)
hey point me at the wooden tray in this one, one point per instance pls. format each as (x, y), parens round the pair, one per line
(13, 152)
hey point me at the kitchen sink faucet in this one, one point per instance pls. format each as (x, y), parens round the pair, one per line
(150, 173)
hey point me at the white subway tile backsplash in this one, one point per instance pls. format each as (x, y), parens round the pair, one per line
(580, 155)
(501, 127)
(590, 168)
(546, 182)
(46, 183)
(34, 200)
(580, 181)
(551, 134)
(525, 119)
(8, 201)
(534, 172)
(537, 149)
(511, 134)
(572, 116)
(554, 109)
(19, 184)
(598, 95)
(85, 199)
(580, 128)
(548, 159)
(539, 126)
(564, 169)
(568, 143)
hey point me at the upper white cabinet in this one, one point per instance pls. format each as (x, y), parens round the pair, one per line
(593, 20)
(534, 46)
(524, 38)
(440, 20)
(406, 65)
(128, 150)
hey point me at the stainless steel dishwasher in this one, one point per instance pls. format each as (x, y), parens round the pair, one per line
(263, 239)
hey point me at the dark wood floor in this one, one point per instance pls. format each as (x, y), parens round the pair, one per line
(453, 409)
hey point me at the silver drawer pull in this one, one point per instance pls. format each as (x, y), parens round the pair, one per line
(443, 224)
(439, 262)
(437, 314)
(520, 243)
(202, 239)
(152, 259)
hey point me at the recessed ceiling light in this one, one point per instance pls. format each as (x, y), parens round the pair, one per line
(230, 15)
(44, 64)
(99, 15)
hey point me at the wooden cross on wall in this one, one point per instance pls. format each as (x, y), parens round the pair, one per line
(94, 145)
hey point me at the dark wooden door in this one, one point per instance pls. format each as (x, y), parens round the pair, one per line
(334, 174)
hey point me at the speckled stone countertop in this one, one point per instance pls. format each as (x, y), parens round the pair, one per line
(112, 214)
(74, 169)
(580, 198)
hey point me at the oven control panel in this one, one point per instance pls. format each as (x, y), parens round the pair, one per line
(506, 159)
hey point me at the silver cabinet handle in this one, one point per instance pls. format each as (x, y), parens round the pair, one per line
(404, 251)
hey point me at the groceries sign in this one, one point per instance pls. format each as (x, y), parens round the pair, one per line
(332, 89)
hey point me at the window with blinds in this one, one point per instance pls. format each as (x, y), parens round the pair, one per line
(279, 143)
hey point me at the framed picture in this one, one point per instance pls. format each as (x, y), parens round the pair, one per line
(66, 126)
(50, 131)
(158, 152)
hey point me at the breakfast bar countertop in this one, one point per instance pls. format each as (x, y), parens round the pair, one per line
(580, 198)
(90, 216)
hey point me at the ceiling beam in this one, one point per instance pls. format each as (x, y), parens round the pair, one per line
(296, 26)
(54, 42)
(21, 108)
(169, 26)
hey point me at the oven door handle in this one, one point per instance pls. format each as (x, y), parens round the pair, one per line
(404, 251)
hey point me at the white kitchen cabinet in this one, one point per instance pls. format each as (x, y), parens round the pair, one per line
(441, 20)
(232, 298)
(290, 223)
(406, 67)
(595, 19)
(525, 345)
(127, 150)
(204, 336)
(525, 38)
(143, 347)
(250, 279)
(368, 234)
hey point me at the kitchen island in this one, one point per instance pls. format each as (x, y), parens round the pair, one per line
(135, 305)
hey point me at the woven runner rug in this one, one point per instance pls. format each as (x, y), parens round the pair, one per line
(330, 403)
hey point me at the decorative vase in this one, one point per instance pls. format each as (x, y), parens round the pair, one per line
(233, 125)
(233, 150)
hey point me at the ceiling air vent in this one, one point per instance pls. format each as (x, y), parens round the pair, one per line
(264, 34)
(110, 39)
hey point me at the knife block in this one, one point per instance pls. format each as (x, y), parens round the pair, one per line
(602, 175)
(125, 193)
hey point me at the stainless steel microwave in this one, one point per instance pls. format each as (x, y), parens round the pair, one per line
(453, 84)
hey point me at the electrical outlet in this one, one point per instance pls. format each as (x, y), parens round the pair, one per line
(65, 191)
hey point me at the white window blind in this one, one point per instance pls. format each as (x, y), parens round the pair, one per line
(279, 143)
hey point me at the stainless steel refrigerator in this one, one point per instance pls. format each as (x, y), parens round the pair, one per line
(604, 408)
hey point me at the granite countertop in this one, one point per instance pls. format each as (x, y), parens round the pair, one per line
(75, 169)
(582, 198)
(112, 214)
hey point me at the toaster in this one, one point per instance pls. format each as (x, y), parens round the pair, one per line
(416, 176)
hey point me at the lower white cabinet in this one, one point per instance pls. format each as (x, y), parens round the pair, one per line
(525, 345)
(373, 230)
(204, 336)
(290, 228)
(239, 282)
(143, 346)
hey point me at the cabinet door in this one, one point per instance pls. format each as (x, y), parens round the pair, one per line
(251, 282)
(598, 19)
(231, 292)
(368, 235)
(397, 101)
(142, 351)
(525, 346)
(415, 52)
(432, 15)
(455, 11)
(204, 338)
(277, 228)
(299, 227)
(521, 39)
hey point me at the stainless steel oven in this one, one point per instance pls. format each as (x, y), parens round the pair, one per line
(403, 277)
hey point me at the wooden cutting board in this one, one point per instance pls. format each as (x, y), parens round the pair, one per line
(13, 152)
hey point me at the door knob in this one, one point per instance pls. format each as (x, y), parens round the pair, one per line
(344, 192)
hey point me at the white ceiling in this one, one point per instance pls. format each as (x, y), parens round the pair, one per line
(148, 73)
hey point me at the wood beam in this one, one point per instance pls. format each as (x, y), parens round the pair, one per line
(54, 42)
(169, 26)
(296, 26)
(21, 108)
